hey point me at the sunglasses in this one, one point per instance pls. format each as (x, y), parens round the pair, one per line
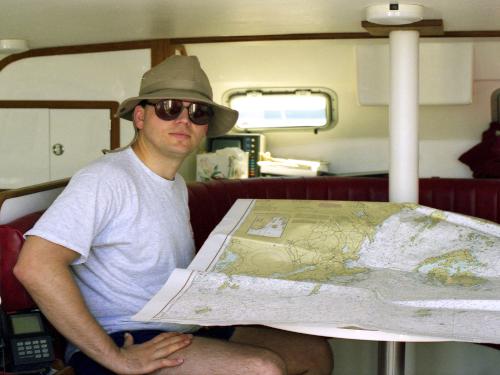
(170, 109)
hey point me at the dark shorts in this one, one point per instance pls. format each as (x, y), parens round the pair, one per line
(83, 365)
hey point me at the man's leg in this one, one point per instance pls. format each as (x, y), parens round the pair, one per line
(302, 354)
(256, 351)
(206, 356)
(251, 351)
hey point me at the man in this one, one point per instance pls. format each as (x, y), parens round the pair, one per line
(112, 238)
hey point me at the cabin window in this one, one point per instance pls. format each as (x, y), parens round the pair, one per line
(272, 109)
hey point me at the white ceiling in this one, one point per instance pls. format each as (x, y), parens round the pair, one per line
(51, 23)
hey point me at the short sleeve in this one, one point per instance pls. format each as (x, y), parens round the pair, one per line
(78, 215)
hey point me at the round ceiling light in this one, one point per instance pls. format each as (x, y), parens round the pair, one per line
(394, 14)
(10, 46)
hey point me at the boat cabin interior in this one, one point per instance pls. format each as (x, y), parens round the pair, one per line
(338, 100)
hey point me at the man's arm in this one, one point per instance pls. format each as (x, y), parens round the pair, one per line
(44, 270)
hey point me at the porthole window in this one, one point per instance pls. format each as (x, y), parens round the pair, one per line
(286, 108)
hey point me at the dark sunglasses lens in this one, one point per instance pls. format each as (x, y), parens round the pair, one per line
(200, 114)
(168, 109)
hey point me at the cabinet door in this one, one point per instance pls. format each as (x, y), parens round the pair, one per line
(24, 147)
(77, 136)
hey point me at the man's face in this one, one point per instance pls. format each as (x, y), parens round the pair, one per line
(175, 138)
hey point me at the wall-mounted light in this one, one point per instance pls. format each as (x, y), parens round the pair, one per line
(394, 14)
(10, 46)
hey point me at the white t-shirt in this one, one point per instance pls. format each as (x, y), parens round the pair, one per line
(131, 228)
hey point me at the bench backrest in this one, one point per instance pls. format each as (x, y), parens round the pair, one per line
(209, 201)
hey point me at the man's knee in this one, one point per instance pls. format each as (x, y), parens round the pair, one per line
(266, 362)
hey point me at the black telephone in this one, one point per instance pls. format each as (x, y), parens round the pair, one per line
(27, 343)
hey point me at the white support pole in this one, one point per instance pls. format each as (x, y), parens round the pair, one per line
(403, 168)
(391, 358)
(403, 116)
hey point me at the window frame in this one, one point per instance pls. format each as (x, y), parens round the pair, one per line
(331, 108)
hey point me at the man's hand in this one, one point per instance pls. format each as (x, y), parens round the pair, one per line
(53, 287)
(153, 354)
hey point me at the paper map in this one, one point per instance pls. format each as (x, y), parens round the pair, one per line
(325, 266)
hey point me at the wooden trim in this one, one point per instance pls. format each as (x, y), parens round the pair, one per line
(159, 44)
(259, 38)
(83, 48)
(160, 50)
(61, 104)
(163, 49)
(425, 28)
(180, 48)
(472, 34)
(13, 193)
(324, 36)
(114, 136)
(74, 104)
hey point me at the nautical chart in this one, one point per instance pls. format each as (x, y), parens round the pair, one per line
(400, 268)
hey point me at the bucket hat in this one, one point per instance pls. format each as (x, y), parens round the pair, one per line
(181, 77)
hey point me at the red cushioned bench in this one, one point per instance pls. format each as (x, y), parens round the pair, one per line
(209, 202)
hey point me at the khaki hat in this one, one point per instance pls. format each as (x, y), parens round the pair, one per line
(181, 77)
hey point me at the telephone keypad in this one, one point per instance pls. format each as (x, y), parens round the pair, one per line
(30, 350)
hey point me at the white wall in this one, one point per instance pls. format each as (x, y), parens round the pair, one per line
(90, 76)
(359, 142)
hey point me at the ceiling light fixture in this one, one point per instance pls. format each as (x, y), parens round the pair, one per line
(394, 14)
(10, 46)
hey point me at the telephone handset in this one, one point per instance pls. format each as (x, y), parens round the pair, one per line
(28, 345)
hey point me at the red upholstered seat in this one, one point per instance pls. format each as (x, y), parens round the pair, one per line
(209, 202)
(14, 296)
